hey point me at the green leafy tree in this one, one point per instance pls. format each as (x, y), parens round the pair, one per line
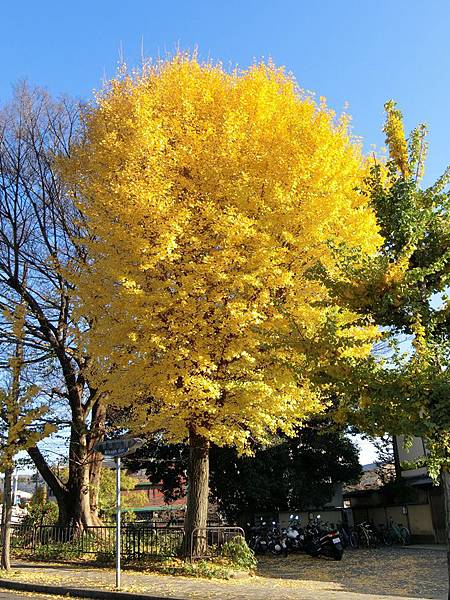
(408, 390)
(41, 510)
(291, 474)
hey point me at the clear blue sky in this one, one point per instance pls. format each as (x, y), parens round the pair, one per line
(357, 51)
(361, 52)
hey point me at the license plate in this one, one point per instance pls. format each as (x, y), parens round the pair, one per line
(336, 540)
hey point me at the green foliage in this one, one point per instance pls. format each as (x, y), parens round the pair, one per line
(105, 557)
(405, 289)
(129, 499)
(218, 567)
(57, 551)
(40, 510)
(207, 569)
(238, 552)
(291, 474)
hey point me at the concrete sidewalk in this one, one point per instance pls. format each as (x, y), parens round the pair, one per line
(90, 582)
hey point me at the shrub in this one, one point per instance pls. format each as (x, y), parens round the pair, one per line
(238, 552)
(40, 510)
(56, 551)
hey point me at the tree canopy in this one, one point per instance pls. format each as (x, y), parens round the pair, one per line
(212, 199)
(405, 288)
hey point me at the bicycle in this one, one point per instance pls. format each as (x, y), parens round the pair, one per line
(396, 533)
(349, 536)
(366, 535)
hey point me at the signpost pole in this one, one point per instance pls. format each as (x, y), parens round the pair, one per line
(117, 448)
(118, 523)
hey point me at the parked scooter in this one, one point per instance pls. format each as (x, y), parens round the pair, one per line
(276, 540)
(320, 541)
(264, 539)
(258, 539)
(295, 537)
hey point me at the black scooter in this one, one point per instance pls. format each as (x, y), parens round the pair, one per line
(321, 542)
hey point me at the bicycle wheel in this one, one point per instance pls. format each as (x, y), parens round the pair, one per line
(353, 540)
(364, 539)
(405, 535)
(387, 539)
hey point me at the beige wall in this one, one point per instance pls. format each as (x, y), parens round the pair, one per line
(396, 514)
(420, 519)
(332, 516)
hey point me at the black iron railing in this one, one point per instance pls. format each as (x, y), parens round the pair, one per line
(137, 540)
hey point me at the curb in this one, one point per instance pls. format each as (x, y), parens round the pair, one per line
(74, 593)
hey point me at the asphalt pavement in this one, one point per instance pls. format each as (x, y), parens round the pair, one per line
(7, 595)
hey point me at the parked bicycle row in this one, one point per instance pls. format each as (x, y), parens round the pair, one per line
(319, 537)
(369, 535)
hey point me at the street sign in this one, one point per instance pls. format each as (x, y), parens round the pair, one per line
(119, 446)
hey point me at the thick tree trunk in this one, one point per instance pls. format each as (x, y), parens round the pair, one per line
(446, 486)
(94, 486)
(78, 497)
(7, 516)
(79, 474)
(195, 535)
(66, 510)
(82, 514)
(73, 498)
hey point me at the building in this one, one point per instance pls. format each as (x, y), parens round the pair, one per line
(410, 499)
(156, 509)
(433, 507)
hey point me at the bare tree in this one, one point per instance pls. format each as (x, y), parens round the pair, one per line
(39, 225)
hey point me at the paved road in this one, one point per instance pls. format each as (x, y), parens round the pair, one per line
(7, 595)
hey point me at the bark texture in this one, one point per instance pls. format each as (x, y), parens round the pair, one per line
(195, 535)
(77, 497)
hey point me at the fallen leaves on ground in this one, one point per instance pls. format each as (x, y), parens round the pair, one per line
(381, 572)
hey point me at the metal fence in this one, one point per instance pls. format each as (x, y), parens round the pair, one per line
(208, 541)
(137, 541)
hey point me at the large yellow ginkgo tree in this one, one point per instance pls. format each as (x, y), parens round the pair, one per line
(214, 202)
